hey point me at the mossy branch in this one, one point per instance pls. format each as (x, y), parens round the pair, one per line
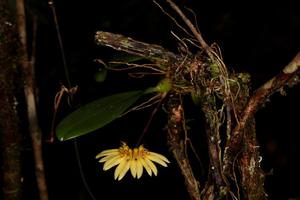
(288, 76)
(152, 52)
(177, 145)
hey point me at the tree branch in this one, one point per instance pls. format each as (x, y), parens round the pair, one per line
(220, 186)
(27, 65)
(264, 92)
(176, 143)
(152, 52)
(258, 98)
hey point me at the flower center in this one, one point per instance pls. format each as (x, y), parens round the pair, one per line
(135, 153)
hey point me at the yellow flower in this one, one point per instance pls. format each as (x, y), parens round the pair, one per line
(135, 159)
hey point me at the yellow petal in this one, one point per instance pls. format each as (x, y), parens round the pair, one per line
(156, 159)
(106, 158)
(122, 169)
(148, 169)
(160, 157)
(133, 167)
(139, 168)
(106, 152)
(112, 162)
(151, 165)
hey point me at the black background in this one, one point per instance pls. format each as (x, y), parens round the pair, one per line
(255, 38)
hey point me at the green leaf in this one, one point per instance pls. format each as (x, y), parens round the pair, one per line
(96, 114)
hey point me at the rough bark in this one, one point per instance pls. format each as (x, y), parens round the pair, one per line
(247, 158)
(27, 63)
(10, 138)
(243, 139)
(176, 141)
(152, 52)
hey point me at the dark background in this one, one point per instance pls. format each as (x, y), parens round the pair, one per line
(255, 38)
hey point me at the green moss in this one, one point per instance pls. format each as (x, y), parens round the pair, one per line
(214, 70)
